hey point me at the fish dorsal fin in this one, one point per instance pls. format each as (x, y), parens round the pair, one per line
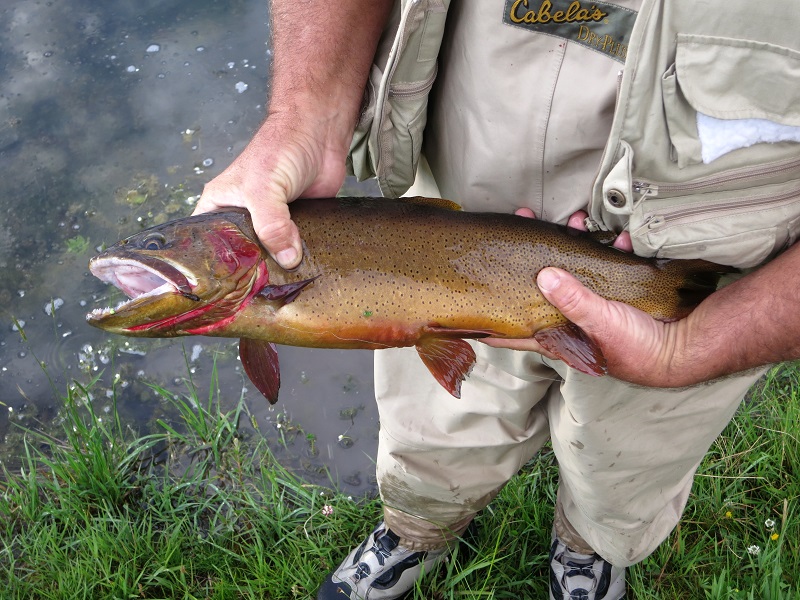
(570, 344)
(436, 202)
(260, 362)
(448, 359)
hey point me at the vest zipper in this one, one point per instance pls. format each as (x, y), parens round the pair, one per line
(651, 188)
(659, 221)
(410, 90)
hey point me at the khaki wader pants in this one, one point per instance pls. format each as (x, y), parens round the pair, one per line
(626, 454)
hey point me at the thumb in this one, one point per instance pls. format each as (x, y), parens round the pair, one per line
(576, 302)
(277, 232)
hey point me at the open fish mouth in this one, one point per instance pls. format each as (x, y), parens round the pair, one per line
(141, 279)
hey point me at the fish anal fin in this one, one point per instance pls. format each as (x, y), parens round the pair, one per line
(448, 359)
(569, 343)
(260, 362)
(286, 292)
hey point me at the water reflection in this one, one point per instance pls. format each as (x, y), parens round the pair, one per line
(112, 117)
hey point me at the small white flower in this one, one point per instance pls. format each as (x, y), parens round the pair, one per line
(753, 550)
(327, 510)
(769, 524)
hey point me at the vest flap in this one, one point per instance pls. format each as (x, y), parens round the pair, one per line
(739, 79)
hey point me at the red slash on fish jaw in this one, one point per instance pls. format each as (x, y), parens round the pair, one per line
(212, 327)
(214, 316)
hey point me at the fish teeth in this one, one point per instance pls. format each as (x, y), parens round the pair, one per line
(98, 313)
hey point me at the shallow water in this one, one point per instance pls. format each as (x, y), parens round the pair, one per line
(112, 117)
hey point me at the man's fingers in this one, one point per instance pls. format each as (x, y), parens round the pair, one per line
(525, 212)
(578, 220)
(271, 219)
(215, 197)
(623, 242)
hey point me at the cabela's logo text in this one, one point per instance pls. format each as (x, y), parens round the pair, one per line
(575, 13)
(602, 26)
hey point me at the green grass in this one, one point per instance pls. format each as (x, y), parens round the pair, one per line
(199, 510)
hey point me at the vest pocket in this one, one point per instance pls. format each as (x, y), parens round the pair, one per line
(388, 136)
(703, 160)
(727, 79)
(400, 135)
(741, 228)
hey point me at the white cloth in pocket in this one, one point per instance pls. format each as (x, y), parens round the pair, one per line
(720, 136)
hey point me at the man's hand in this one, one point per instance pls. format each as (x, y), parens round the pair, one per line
(747, 324)
(267, 176)
(319, 73)
(637, 347)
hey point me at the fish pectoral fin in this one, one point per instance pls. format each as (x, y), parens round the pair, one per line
(260, 362)
(448, 359)
(286, 292)
(570, 344)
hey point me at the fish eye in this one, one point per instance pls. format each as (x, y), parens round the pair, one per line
(154, 241)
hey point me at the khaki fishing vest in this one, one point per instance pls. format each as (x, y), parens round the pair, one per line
(697, 78)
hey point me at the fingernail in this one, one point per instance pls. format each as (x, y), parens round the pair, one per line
(286, 257)
(548, 280)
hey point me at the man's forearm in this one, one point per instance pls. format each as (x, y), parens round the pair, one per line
(752, 322)
(323, 50)
(322, 54)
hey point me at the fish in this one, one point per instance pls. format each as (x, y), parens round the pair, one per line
(379, 273)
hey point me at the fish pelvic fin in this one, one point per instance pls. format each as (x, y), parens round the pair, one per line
(260, 362)
(448, 359)
(570, 343)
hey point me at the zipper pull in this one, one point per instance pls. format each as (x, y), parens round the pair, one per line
(591, 225)
(649, 222)
(644, 188)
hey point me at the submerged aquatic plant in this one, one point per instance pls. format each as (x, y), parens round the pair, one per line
(78, 244)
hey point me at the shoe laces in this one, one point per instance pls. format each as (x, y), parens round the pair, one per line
(582, 575)
(381, 549)
(580, 569)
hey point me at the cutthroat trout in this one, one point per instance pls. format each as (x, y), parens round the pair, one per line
(380, 273)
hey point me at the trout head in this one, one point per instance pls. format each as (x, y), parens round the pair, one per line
(190, 276)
